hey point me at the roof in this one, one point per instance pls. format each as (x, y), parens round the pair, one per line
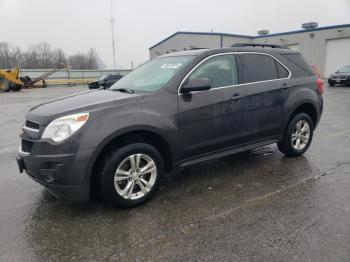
(188, 52)
(254, 37)
(256, 49)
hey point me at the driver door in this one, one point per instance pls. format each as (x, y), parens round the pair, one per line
(211, 120)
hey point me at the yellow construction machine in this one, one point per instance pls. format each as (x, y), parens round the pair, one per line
(11, 81)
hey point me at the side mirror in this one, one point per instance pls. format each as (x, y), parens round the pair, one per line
(198, 84)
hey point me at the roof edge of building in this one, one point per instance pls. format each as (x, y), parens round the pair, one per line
(253, 37)
(304, 30)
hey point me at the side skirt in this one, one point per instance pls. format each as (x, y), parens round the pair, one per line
(224, 152)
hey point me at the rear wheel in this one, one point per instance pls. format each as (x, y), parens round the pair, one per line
(131, 175)
(298, 136)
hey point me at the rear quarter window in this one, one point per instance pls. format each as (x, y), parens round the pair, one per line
(282, 72)
(298, 64)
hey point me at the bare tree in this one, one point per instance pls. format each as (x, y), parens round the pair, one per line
(10, 55)
(5, 54)
(59, 57)
(17, 56)
(90, 60)
(43, 56)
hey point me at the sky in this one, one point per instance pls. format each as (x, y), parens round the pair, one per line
(77, 25)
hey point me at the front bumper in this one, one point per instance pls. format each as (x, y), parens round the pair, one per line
(339, 81)
(58, 173)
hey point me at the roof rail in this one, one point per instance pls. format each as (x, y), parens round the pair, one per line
(259, 45)
(197, 48)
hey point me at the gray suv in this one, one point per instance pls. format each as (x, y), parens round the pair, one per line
(175, 110)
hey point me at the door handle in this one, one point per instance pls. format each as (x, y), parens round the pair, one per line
(236, 97)
(285, 86)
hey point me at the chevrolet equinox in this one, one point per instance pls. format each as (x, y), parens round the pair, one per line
(176, 110)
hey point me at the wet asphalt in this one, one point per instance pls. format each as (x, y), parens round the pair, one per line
(254, 206)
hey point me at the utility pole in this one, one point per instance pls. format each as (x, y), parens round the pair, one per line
(113, 41)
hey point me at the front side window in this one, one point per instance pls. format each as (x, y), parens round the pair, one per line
(220, 70)
(153, 75)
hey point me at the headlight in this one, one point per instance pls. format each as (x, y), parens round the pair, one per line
(63, 127)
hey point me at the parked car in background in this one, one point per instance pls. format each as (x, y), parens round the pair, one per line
(341, 76)
(105, 81)
(173, 111)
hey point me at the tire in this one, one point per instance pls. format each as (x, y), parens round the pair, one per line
(16, 88)
(127, 192)
(294, 133)
(6, 86)
(332, 84)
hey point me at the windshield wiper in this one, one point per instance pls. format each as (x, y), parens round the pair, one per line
(124, 90)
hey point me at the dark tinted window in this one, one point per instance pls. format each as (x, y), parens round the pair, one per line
(258, 67)
(282, 72)
(221, 70)
(301, 66)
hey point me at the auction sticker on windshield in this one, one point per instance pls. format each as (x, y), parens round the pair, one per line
(171, 66)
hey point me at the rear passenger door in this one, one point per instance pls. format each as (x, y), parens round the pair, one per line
(266, 82)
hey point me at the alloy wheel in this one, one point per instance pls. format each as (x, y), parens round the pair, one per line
(301, 135)
(135, 176)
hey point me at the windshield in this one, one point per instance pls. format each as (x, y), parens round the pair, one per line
(152, 75)
(345, 69)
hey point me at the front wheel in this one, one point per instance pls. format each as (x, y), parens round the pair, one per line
(6, 86)
(16, 87)
(331, 83)
(131, 175)
(298, 136)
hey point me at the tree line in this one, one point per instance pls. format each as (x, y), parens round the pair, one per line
(43, 56)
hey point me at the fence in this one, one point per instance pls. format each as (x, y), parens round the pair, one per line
(65, 76)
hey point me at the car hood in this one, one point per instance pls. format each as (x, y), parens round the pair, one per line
(79, 103)
(341, 74)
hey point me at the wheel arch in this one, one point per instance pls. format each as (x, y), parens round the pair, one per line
(131, 136)
(308, 108)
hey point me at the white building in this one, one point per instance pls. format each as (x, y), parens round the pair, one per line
(327, 47)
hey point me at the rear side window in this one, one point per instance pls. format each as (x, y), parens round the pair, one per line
(220, 70)
(258, 67)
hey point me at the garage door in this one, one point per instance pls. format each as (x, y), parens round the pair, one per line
(337, 54)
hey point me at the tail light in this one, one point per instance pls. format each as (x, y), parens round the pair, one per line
(320, 85)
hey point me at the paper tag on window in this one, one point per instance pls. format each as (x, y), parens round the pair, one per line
(171, 66)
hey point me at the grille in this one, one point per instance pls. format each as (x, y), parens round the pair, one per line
(32, 125)
(26, 145)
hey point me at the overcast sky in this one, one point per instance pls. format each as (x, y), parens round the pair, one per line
(77, 25)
